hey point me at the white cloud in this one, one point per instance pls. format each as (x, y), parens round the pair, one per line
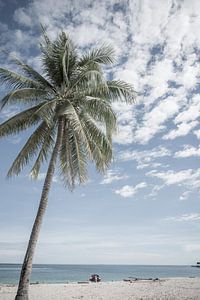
(126, 122)
(182, 130)
(191, 113)
(197, 133)
(162, 70)
(124, 134)
(112, 176)
(145, 158)
(155, 191)
(141, 165)
(185, 218)
(185, 195)
(128, 191)
(187, 177)
(153, 121)
(188, 151)
(22, 17)
(146, 155)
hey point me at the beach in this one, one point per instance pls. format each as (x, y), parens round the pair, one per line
(169, 288)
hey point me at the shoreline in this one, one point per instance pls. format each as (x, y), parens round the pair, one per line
(165, 288)
(128, 279)
(132, 279)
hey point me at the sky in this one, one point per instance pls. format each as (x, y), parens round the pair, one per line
(145, 209)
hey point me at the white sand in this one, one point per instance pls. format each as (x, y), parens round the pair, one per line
(170, 289)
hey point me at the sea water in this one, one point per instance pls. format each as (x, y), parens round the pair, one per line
(9, 273)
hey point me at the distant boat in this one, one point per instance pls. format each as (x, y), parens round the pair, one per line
(197, 265)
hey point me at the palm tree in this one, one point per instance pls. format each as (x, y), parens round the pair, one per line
(70, 106)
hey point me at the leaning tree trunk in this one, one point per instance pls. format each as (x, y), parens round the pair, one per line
(23, 288)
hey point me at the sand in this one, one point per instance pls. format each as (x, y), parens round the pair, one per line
(171, 289)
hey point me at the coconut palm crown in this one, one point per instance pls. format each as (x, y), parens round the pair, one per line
(70, 108)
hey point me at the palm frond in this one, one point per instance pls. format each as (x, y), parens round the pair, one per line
(66, 161)
(29, 150)
(80, 159)
(73, 160)
(33, 74)
(16, 81)
(121, 91)
(105, 114)
(45, 35)
(73, 117)
(87, 78)
(102, 55)
(100, 146)
(114, 90)
(20, 121)
(24, 96)
(53, 54)
(65, 64)
(46, 111)
(47, 146)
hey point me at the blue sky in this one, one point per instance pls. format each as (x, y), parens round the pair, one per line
(145, 210)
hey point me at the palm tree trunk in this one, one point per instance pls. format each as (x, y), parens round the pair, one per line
(23, 288)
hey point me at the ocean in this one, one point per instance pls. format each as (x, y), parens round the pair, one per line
(9, 273)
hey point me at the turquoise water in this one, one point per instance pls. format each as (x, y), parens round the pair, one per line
(9, 273)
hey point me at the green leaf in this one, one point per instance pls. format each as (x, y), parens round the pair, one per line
(88, 78)
(46, 111)
(24, 96)
(16, 81)
(105, 114)
(73, 160)
(29, 150)
(121, 91)
(73, 117)
(46, 148)
(33, 74)
(53, 58)
(20, 121)
(100, 145)
(103, 55)
(45, 35)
